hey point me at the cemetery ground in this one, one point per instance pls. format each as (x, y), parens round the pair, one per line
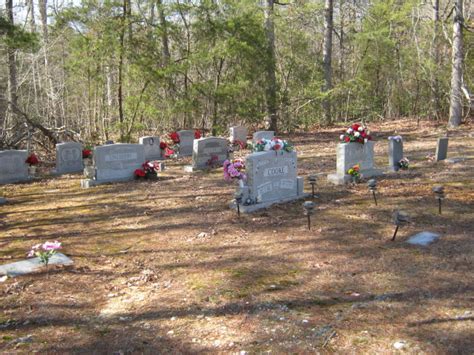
(166, 266)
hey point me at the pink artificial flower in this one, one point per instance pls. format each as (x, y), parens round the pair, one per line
(51, 245)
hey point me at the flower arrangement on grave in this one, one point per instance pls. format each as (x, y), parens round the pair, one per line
(275, 144)
(395, 138)
(32, 160)
(86, 153)
(404, 163)
(149, 170)
(239, 143)
(197, 134)
(213, 161)
(44, 251)
(354, 172)
(233, 170)
(171, 149)
(356, 133)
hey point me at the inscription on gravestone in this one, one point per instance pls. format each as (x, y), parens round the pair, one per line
(69, 158)
(151, 146)
(209, 150)
(12, 166)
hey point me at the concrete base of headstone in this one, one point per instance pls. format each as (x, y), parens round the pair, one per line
(259, 206)
(189, 169)
(454, 160)
(423, 238)
(341, 180)
(30, 265)
(3, 201)
(87, 183)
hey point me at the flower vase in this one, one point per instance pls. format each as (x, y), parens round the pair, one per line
(87, 161)
(89, 172)
(32, 170)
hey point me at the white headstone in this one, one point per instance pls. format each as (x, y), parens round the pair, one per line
(151, 146)
(209, 151)
(272, 177)
(262, 134)
(115, 162)
(186, 138)
(13, 167)
(350, 154)
(238, 133)
(24, 267)
(69, 158)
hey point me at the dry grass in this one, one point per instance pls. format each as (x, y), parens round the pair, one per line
(144, 281)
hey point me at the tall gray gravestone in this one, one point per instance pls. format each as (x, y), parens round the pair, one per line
(186, 138)
(114, 163)
(271, 178)
(209, 152)
(350, 154)
(395, 152)
(262, 134)
(69, 158)
(442, 149)
(238, 133)
(13, 167)
(151, 146)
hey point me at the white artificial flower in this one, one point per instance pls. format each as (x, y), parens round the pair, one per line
(368, 132)
(350, 130)
(357, 134)
(365, 140)
(360, 129)
(341, 137)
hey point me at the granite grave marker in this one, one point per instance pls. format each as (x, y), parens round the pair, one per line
(151, 145)
(13, 167)
(69, 158)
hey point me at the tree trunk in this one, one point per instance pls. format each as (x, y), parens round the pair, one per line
(120, 71)
(455, 109)
(12, 73)
(164, 34)
(271, 90)
(327, 58)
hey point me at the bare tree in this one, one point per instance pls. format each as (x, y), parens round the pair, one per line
(455, 109)
(271, 89)
(327, 58)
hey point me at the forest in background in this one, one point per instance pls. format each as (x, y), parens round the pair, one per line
(98, 70)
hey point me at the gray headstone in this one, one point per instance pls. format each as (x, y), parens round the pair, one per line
(186, 139)
(271, 178)
(3, 201)
(116, 162)
(30, 265)
(238, 133)
(12, 166)
(152, 147)
(395, 153)
(442, 149)
(69, 158)
(423, 238)
(262, 134)
(209, 148)
(350, 154)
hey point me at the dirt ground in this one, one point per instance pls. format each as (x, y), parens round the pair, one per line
(167, 267)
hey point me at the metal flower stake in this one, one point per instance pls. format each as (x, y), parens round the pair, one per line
(312, 180)
(372, 184)
(238, 201)
(399, 218)
(308, 211)
(439, 195)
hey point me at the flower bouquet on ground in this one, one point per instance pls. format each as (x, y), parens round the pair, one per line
(404, 163)
(354, 172)
(276, 144)
(233, 170)
(240, 144)
(149, 170)
(87, 156)
(170, 149)
(32, 161)
(44, 251)
(356, 133)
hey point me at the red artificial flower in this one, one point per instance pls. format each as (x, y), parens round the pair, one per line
(86, 153)
(276, 147)
(32, 159)
(197, 134)
(355, 126)
(163, 145)
(139, 173)
(174, 136)
(363, 134)
(360, 140)
(347, 139)
(168, 152)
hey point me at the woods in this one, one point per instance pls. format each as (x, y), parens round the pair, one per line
(98, 70)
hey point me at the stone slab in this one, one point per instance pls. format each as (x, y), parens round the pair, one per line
(69, 158)
(151, 144)
(395, 153)
(455, 160)
(30, 265)
(238, 133)
(13, 167)
(186, 139)
(442, 149)
(205, 149)
(423, 238)
(3, 201)
(262, 134)
(259, 206)
(117, 162)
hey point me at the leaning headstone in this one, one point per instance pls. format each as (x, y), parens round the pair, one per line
(13, 167)
(350, 154)
(208, 152)
(262, 134)
(271, 178)
(238, 133)
(186, 138)
(69, 158)
(395, 152)
(423, 238)
(151, 146)
(114, 163)
(30, 265)
(442, 149)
